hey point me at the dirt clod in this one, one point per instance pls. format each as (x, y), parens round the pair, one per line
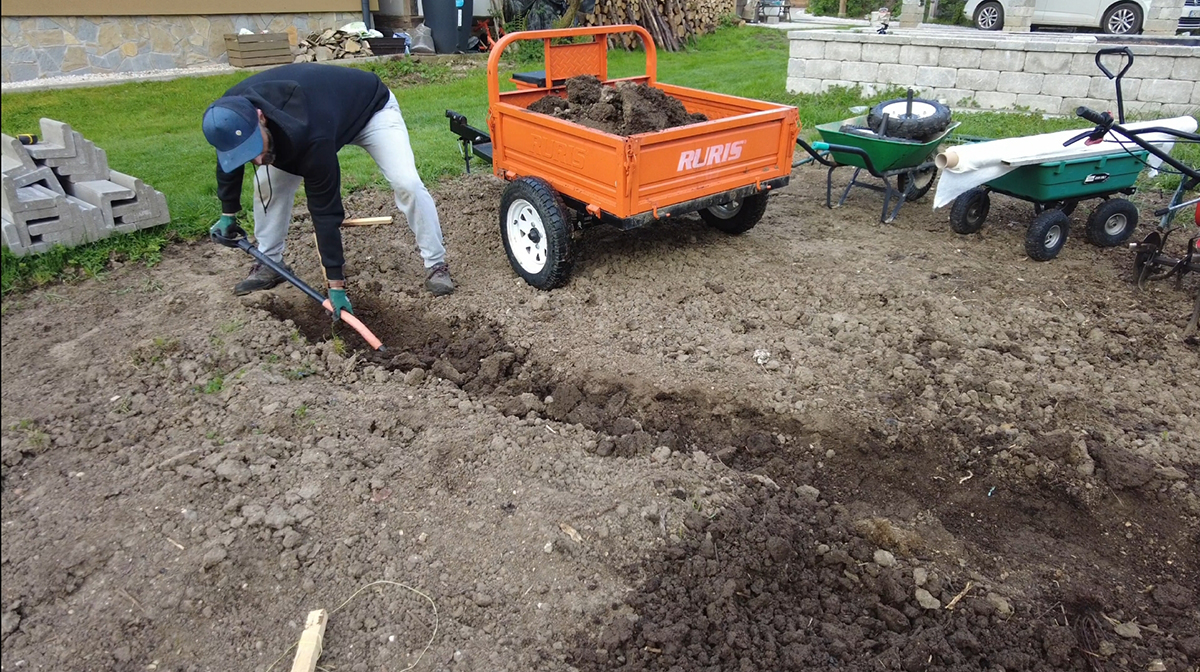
(627, 108)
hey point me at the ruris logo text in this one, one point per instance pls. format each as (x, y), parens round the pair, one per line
(692, 159)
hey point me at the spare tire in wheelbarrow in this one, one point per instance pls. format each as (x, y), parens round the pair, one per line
(927, 119)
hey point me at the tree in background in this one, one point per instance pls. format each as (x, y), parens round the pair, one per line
(854, 8)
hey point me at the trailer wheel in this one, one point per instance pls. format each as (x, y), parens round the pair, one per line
(970, 210)
(737, 216)
(1047, 235)
(916, 183)
(537, 238)
(1112, 223)
(927, 119)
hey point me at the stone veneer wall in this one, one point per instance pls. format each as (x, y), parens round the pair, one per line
(48, 47)
(1004, 72)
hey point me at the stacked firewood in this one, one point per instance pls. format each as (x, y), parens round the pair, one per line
(331, 45)
(670, 22)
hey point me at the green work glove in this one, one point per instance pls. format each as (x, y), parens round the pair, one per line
(224, 227)
(340, 302)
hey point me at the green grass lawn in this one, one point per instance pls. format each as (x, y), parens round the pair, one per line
(152, 130)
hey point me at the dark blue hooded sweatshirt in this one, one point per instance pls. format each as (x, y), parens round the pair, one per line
(312, 111)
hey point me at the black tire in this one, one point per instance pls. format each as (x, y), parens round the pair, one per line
(928, 118)
(1112, 223)
(737, 216)
(970, 210)
(1067, 207)
(1047, 235)
(1122, 19)
(536, 232)
(989, 16)
(915, 184)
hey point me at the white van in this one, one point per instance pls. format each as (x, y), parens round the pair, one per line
(1119, 17)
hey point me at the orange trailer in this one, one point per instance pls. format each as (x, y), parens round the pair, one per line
(723, 168)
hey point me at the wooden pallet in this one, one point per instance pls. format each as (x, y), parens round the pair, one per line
(258, 49)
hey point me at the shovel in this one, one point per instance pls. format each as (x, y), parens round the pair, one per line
(239, 240)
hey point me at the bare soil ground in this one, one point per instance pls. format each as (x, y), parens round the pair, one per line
(823, 444)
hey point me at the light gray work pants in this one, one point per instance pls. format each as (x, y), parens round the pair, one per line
(385, 137)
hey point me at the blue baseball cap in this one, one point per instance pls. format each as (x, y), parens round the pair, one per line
(231, 125)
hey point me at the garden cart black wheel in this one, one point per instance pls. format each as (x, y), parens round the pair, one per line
(989, 16)
(926, 118)
(736, 216)
(536, 233)
(970, 210)
(1047, 235)
(1067, 207)
(916, 183)
(1112, 223)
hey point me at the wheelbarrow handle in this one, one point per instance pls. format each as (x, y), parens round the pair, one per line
(814, 150)
(825, 146)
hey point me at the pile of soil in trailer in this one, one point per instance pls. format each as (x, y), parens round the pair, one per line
(628, 108)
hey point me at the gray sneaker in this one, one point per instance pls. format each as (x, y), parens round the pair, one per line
(438, 281)
(261, 277)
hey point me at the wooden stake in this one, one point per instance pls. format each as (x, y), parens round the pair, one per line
(311, 642)
(320, 260)
(366, 221)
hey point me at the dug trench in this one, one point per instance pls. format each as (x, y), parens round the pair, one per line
(852, 552)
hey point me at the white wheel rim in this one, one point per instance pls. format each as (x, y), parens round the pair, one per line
(988, 16)
(1115, 224)
(920, 110)
(1052, 236)
(1121, 21)
(726, 210)
(526, 235)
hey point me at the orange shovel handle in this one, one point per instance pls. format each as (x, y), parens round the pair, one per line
(356, 325)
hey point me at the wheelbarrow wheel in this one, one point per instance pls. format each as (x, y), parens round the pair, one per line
(916, 183)
(1047, 235)
(970, 210)
(737, 216)
(1112, 223)
(536, 233)
(926, 119)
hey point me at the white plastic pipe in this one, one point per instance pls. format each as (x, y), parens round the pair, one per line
(968, 166)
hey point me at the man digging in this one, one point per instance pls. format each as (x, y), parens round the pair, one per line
(290, 122)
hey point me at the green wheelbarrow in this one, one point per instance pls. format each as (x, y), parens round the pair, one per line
(906, 167)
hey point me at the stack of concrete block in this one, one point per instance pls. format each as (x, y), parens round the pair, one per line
(60, 191)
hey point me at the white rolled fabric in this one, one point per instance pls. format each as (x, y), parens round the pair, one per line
(967, 166)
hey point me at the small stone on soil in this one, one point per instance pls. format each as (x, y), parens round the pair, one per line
(926, 600)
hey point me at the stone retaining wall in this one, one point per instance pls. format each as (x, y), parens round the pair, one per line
(1046, 74)
(33, 48)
